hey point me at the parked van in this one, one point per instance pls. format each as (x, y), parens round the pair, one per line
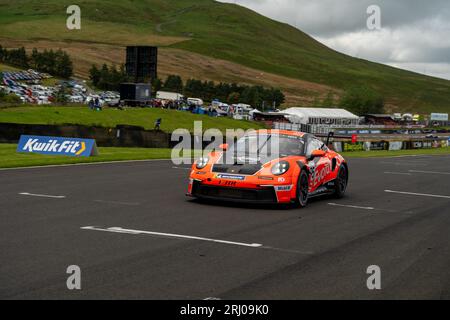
(165, 95)
(195, 102)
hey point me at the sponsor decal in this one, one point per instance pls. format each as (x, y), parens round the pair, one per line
(283, 188)
(417, 144)
(370, 146)
(281, 179)
(230, 177)
(57, 146)
(353, 147)
(318, 175)
(228, 183)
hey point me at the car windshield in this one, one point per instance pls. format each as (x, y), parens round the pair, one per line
(269, 146)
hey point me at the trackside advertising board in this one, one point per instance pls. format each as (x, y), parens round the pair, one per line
(58, 146)
(439, 117)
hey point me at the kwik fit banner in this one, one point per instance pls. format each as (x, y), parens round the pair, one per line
(58, 146)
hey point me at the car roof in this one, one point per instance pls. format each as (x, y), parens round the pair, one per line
(281, 132)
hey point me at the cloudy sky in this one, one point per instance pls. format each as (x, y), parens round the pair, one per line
(414, 34)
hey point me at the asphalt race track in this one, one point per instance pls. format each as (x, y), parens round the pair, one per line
(55, 217)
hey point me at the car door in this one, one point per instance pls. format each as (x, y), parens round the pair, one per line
(319, 167)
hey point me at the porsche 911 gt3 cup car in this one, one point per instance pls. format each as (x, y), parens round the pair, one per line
(296, 167)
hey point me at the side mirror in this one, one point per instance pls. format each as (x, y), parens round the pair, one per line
(224, 147)
(318, 154)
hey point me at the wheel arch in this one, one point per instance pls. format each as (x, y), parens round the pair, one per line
(345, 165)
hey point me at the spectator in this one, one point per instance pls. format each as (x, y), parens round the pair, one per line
(97, 105)
(158, 124)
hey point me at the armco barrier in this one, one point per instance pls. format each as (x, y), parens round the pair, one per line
(121, 136)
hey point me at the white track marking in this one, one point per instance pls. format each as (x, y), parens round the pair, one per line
(430, 172)
(399, 173)
(418, 194)
(171, 235)
(370, 208)
(41, 195)
(87, 164)
(409, 156)
(350, 206)
(405, 163)
(181, 168)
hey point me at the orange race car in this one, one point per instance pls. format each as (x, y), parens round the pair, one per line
(270, 166)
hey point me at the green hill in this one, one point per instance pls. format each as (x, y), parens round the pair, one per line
(223, 31)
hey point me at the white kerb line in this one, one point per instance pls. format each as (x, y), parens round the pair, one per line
(350, 206)
(41, 195)
(171, 235)
(418, 194)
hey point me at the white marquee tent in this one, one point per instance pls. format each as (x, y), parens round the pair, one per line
(321, 116)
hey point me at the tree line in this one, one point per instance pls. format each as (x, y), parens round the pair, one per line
(56, 63)
(360, 100)
(110, 78)
(256, 96)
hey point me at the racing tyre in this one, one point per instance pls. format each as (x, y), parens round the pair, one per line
(302, 189)
(341, 182)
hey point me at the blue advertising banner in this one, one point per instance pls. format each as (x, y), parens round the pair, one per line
(58, 146)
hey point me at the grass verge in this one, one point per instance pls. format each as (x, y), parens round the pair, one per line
(109, 117)
(9, 158)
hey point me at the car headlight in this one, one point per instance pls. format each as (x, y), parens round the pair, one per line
(202, 162)
(280, 168)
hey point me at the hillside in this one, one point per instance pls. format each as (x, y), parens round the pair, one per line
(216, 41)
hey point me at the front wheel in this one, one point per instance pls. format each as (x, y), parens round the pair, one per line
(341, 182)
(302, 189)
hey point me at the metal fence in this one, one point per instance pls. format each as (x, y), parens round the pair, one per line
(308, 128)
(325, 129)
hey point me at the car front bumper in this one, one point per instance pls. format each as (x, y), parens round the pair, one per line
(244, 192)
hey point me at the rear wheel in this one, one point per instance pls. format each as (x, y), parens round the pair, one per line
(341, 182)
(302, 189)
